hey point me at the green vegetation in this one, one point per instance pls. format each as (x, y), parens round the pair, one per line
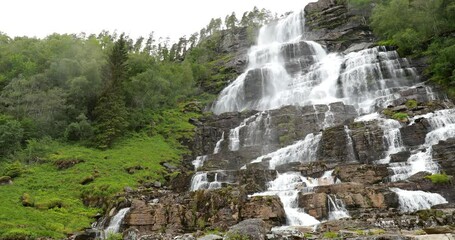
(420, 28)
(84, 116)
(400, 116)
(330, 235)
(411, 103)
(440, 178)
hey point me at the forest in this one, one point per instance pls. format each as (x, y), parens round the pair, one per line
(116, 108)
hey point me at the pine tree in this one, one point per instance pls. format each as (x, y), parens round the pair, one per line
(110, 111)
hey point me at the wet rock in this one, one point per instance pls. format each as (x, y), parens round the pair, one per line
(444, 155)
(367, 141)
(254, 229)
(337, 24)
(334, 146)
(360, 173)
(400, 157)
(268, 208)
(255, 180)
(315, 204)
(414, 135)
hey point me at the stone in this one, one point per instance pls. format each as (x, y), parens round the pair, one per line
(131, 234)
(268, 208)
(5, 180)
(400, 157)
(361, 173)
(315, 204)
(169, 166)
(367, 139)
(254, 229)
(444, 155)
(414, 135)
(439, 230)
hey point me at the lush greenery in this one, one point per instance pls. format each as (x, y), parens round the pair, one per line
(420, 28)
(84, 116)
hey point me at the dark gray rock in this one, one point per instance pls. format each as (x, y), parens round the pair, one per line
(414, 135)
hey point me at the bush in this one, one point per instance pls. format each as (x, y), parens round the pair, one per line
(11, 135)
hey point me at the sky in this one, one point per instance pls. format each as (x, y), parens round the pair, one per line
(167, 18)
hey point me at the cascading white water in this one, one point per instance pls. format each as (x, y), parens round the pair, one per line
(199, 181)
(366, 79)
(350, 145)
(114, 224)
(443, 127)
(199, 162)
(218, 144)
(301, 151)
(411, 201)
(286, 187)
(337, 209)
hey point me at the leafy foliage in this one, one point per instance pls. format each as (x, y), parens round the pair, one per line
(420, 27)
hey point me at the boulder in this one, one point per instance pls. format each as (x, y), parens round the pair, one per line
(253, 229)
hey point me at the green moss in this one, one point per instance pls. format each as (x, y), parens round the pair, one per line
(330, 235)
(400, 116)
(388, 112)
(411, 103)
(440, 178)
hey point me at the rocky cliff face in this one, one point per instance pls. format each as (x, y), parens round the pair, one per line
(358, 165)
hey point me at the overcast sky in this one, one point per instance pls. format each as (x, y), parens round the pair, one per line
(173, 18)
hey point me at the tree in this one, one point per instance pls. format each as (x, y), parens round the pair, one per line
(110, 111)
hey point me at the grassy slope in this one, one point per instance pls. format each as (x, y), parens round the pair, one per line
(46, 184)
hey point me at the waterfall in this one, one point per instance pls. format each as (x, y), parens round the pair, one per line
(350, 145)
(411, 201)
(218, 144)
(392, 138)
(199, 181)
(286, 186)
(209, 180)
(302, 151)
(337, 209)
(443, 127)
(114, 224)
(199, 162)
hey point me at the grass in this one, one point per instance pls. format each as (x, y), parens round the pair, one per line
(55, 195)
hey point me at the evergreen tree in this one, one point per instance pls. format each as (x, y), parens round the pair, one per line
(110, 112)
